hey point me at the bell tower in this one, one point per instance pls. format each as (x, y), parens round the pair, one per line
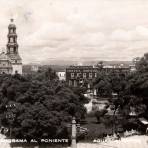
(12, 49)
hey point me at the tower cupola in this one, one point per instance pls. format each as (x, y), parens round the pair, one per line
(12, 48)
(12, 45)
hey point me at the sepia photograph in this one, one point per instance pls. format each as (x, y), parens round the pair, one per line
(73, 74)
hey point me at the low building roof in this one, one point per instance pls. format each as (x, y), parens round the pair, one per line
(144, 121)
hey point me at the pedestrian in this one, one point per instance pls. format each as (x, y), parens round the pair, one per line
(118, 136)
(2, 130)
(103, 137)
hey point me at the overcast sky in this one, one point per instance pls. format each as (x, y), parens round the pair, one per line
(69, 29)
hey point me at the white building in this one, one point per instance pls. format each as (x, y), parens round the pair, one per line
(61, 75)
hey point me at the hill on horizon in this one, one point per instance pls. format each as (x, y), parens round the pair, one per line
(80, 62)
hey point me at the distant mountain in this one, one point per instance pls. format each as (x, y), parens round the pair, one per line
(77, 60)
(83, 62)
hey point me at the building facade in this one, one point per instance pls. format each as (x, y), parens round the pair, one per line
(11, 62)
(34, 68)
(77, 75)
(116, 69)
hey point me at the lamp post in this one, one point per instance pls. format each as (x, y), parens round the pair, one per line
(75, 128)
(73, 136)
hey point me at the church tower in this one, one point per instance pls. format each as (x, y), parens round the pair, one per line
(12, 49)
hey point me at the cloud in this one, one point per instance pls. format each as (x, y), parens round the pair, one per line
(109, 30)
(138, 33)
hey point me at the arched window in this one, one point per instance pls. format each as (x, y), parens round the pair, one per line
(11, 39)
(14, 49)
(11, 30)
(11, 49)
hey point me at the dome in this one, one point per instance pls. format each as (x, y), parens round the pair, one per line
(11, 25)
(4, 57)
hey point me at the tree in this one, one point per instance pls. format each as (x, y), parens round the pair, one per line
(118, 82)
(100, 65)
(100, 113)
(43, 106)
(102, 85)
(142, 64)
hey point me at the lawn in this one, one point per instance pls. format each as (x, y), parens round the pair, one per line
(95, 129)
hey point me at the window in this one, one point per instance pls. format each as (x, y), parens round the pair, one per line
(95, 75)
(90, 75)
(72, 75)
(81, 81)
(16, 72)
(84, 75)
(75, 83)
(11, 49)
(88, 86)
(11, 40)
(70, 82)
(11, 30)
(78, 74)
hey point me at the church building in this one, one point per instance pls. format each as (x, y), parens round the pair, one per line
(11, 62)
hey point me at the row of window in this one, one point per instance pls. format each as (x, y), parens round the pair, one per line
(76, 83)
(84, 75)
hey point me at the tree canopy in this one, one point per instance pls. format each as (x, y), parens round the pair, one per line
(131, 89)
(43, 105)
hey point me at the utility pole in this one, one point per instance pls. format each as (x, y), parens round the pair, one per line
(74, 132)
